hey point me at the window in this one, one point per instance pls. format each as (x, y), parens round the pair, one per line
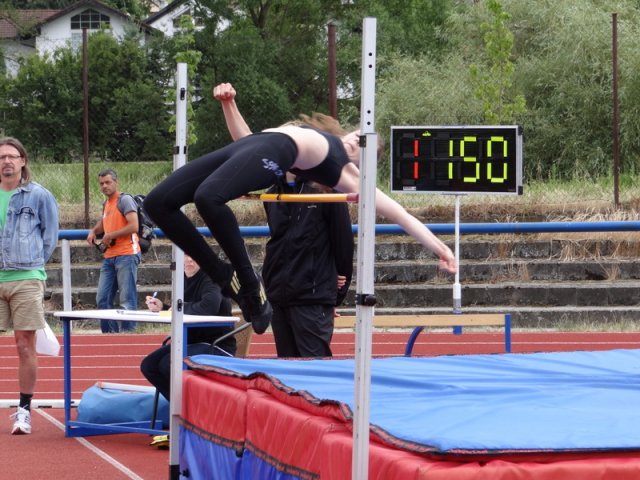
(90, 19)
(76, 40)
(178, 20)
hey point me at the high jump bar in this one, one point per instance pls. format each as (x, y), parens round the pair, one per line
(303, 197)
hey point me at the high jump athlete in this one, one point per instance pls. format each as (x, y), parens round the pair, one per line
(255, 162)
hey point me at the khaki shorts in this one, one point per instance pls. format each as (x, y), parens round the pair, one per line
(22, 305)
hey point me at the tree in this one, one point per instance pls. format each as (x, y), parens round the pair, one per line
(272, 51)
(561, 63)
(138, 9)
(493, 79)
(182, 51)
(36, 4)
(275, 52)
(564, 70)
(127, 113)
(438, 61)
(44, 108)
(3, 67)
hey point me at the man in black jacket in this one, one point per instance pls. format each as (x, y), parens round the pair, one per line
(307, 269)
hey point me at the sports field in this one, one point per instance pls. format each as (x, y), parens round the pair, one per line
(46, 453)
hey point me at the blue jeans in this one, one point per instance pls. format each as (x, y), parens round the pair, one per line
(118, 274)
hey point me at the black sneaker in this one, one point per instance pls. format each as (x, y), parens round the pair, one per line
(255, 307)
(232, 289)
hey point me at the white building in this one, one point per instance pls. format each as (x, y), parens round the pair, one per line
(167, 19)
(15, 42)
(43, 31)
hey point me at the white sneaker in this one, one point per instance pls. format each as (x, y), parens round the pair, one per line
(22, 422)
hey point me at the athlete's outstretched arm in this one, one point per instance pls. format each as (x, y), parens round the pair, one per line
(391, 210)
(226, 95)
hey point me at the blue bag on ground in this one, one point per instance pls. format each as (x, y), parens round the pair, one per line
(115, 405)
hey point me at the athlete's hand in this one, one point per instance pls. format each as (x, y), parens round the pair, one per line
(224, 92)
(448, 261)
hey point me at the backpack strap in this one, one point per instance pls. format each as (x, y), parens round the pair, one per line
(120, 207)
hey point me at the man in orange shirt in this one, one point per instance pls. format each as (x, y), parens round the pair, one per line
(121, 251)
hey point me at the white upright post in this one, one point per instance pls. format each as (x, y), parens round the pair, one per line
(457, 289)
(365, 298)
(66, 278)
(66, 275)
(177, 282)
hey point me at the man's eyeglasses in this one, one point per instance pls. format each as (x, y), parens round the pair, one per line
(10, 157)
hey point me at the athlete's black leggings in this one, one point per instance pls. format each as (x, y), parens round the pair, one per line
(252, 163)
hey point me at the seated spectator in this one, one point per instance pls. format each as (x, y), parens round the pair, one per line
(201, 297)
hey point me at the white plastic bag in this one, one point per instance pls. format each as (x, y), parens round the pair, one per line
(46, 342)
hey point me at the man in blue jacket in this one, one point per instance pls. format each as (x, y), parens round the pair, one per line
(28, 237)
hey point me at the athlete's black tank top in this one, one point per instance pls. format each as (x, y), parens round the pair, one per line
(328, 171)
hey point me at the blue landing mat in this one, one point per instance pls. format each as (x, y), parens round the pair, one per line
(569, 401)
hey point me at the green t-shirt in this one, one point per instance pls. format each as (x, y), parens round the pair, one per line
(15, 275)
(4, 205)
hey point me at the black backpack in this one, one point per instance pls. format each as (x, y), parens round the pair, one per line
(145, 224)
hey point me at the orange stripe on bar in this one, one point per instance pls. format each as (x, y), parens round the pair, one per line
(303, 197)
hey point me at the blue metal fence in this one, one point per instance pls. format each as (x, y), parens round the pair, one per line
(440, 229)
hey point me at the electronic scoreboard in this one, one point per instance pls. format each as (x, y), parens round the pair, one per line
(457, 159)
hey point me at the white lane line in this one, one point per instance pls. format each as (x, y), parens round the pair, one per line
(129, 473)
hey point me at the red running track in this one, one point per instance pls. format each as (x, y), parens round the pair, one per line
(116, 358)
(48, 454)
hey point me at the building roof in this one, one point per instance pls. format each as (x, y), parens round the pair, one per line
(160, 13)
(94, 4)
(12, 22)
(86, 3)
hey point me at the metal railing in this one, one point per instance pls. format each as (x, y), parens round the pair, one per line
(65, 236)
